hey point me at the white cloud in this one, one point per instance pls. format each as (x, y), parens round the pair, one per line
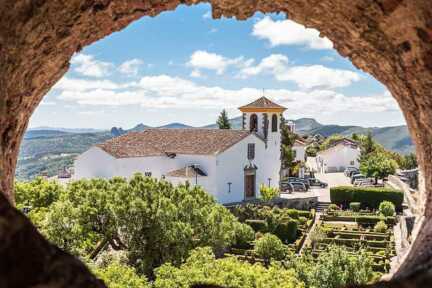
(211, 61)
(327, 59)
(83, 85)
(287, 32)
(275, 63)
(163, 91)
(306, 77)
(47, 103)
(196, 74)
(130, 67)
(88, 66)
(207, 15)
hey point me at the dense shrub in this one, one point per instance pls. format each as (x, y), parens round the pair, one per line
(368, 197)
(158, 222)
(380, 227)
(387, 208)
(38, 193)
(287, 230)
(355, 206)
(243, 235)
(268, 193)
(117, 275)
(270, 247)
(333, 207)
(202, 268)
(257, 225)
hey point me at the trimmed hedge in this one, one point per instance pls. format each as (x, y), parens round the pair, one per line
(368, 197)
(257, 225)
(362, 220)
(287, 231)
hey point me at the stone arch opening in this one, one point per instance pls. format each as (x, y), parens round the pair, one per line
(253, 123)
(390, 39)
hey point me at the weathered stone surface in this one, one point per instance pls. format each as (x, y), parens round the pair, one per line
(390, 39)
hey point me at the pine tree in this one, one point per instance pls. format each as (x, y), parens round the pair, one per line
(223, 121)
(287, 141)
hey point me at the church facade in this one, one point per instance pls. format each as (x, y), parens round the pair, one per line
(229, 164)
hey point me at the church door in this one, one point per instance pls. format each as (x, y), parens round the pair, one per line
(250, 185)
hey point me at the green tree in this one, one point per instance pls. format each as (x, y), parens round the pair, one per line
(117, 275)
(367, 146)
(223, 121)
(38, 193)
(328, 142)
(336, 268)
(378, 165)
(409, 161)
(161, 223)
(203, 268)
(270, 247)
(287, 141)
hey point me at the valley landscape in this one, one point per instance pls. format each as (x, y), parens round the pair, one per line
(49, 149)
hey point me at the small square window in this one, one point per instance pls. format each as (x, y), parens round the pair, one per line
(148, 174)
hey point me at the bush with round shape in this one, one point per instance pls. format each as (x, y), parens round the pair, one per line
(387, 208)
(380, 227)
(243, 235)
(270, 247)
(355, 206)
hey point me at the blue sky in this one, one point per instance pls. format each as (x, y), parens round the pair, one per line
(183, 66)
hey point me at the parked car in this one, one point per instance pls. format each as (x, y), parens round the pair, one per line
(357, 176)
(363, 181)
(286, 187)
(348, 171)
(296, 179)
(299, 186)
(353, 172)
(313, 182)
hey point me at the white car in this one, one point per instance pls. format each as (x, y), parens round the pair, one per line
(364, 182)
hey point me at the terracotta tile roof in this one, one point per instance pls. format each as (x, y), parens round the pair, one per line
(156, 142)
(263, 102)
(186, 172)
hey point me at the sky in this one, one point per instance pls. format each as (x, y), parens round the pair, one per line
(183, 66)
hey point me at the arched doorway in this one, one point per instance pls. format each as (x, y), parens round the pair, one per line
(253, 123)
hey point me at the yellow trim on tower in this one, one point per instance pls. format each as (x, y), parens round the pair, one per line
(251, 109)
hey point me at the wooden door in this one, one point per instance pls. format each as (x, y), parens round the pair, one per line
(249, 186)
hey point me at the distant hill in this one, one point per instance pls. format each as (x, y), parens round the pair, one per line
(43, 133)
(175, 126)
(50, 149)
(236, 123)
(70, 130)
(394, 138)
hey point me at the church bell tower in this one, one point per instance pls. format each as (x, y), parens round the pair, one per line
(264, 118)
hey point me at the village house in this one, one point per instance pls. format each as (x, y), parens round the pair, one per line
(229, 164)
(341, 154)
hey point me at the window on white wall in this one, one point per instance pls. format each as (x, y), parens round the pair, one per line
(251, 151)
(148, 174)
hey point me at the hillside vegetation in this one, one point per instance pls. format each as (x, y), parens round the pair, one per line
(48, 150)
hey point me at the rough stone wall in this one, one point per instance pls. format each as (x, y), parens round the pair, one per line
(390, 39)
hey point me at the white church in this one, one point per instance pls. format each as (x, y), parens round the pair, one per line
(229, 164)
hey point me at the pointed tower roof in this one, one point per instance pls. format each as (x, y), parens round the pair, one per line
(262, 105)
